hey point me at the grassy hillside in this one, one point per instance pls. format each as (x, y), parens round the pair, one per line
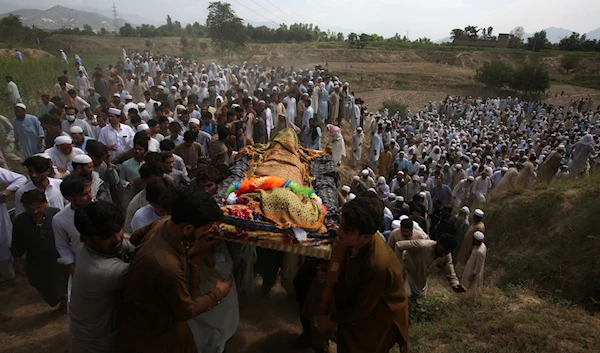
(547, 239)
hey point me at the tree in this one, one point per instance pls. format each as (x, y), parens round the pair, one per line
(225, 29)
(569, 62)
(538, 41)
(203, 46)
(352, 39)
(495, 74)
(457, 33)
(87, 30)
(128, 31)
(515, 38)
(184, 41)
(148, 43)
(472, 32)
(531, 77)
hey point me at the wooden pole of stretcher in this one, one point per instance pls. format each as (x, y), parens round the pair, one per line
(333, 274)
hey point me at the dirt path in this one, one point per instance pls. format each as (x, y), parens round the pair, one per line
(266, 324)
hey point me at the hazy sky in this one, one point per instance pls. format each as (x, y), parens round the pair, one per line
(431, 18)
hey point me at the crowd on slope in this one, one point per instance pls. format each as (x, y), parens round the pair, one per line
(123, 148)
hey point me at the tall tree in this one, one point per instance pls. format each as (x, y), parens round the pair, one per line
(538, 41)
(225, 29)
(457, 33)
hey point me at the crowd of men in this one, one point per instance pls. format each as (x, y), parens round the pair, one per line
(141, 148)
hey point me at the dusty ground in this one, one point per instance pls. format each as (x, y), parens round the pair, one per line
(266, 325)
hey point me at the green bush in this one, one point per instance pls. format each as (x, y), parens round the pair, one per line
(394, 106)
(495, 74)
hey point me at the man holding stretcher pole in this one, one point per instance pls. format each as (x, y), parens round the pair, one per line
(363, 303)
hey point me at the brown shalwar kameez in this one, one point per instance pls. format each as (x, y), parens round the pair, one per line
(156, 298)
(371, 305)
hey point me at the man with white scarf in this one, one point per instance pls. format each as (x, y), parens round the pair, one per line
(62, 153)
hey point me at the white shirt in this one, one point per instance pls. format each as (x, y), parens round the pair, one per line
(80, 104)
(55, 154)
(12, 182)
(121, 138)
(66, 236)
(481, 186)
(143, 217)
(53, 195)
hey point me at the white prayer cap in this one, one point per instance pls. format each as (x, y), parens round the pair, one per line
(173, 88)
(128, 96)
(114, 111)
(561, 147)
(76, 130)
(346, 188)
(466, 210)
(403, 217)
(63, 140)
(400, 198)
(478, 236)
(423, 185)
(458, 166)
(310, 83)
(381, 180)
(365, 172)
(372, 190)
(160, 87)
(422, 194)
(391, 196)
(141, 106)
(143, 127)
(262, 101)
(194, 121)
(43, 155)
(179, 106)
(356, 178)
(395, 224)
(479, 213)
(233, 106)
(117, 95)
(351, 197)
(471, 178)
(170, 119)
(504, 169)
(20, 105)
(82, 159)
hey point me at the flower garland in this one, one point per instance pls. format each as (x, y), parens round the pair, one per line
(245, 186)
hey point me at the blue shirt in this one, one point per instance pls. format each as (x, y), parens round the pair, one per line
(28, 132)
(84, 144)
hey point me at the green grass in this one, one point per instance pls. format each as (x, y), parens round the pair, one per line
(587, 80)
(547, 239)
(490, 320)
(36, 76)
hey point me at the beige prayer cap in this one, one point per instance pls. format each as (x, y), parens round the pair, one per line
(479, 213)
(478, 236)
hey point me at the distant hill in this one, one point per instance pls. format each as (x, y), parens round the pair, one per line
(595, 34)
(58, 17)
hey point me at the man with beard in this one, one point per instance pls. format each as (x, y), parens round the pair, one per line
(159, 294)
(39, 168)
(62, 153)
(83, 166)
(28, 133)
(95, 307)
(78, 191)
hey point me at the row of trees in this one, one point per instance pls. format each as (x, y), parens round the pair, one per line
(14, 32)
(530, 77)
